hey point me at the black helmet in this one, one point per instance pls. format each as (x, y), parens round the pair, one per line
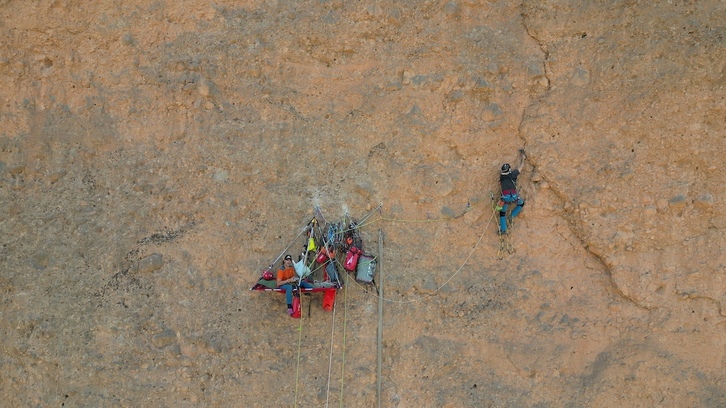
(506, 169)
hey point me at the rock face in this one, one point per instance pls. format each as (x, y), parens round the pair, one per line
(155, 156)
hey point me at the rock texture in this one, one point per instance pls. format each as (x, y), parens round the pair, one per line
(154, 156)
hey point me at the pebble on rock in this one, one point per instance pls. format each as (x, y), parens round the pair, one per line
(703, 202)
(164, 339)
(151, 263)
(678, 202)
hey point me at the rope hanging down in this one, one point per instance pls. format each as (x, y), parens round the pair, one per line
(330, 357)
(345, 329)
(299, 348)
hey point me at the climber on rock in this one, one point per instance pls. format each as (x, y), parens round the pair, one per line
(508, 180)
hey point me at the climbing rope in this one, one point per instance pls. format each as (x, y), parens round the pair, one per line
(330, 357)
(345, 326)
(299, 349)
